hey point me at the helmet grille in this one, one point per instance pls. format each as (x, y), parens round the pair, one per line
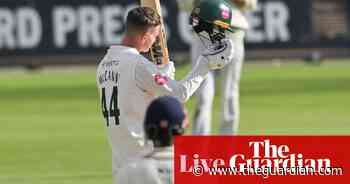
(216, 32)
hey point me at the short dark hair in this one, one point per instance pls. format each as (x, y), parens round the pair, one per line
(140, 19)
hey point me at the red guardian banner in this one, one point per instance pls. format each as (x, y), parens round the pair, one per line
(262, 159)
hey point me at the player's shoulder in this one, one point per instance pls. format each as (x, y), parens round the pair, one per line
(146, 67)
(122, 54)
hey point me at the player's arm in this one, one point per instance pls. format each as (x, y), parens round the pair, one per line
(150, 80)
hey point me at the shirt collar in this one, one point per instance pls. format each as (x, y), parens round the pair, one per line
(119, 48)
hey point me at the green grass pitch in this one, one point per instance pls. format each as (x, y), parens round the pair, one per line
(51, 130)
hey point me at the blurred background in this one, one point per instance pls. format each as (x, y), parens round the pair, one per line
(296, 79)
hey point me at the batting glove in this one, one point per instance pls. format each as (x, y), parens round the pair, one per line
(219, 55)
(167, 70)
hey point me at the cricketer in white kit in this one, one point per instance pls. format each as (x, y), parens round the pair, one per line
(128, 82)
(165, 118)
(230, 111)
(155, 168)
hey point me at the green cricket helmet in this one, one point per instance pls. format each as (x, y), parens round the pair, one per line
(213, 17)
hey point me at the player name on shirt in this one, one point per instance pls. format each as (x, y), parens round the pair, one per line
(109, 74)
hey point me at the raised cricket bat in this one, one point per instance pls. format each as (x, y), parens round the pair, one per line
(155, 4)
